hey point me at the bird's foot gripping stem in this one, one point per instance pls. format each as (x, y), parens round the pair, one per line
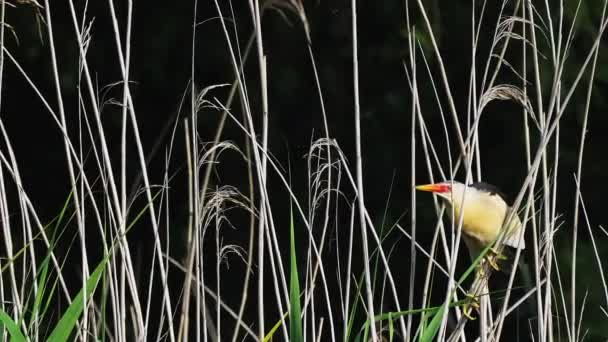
(492, 256)
(471, 303)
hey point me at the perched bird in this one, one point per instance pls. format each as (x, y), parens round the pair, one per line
(484, 210)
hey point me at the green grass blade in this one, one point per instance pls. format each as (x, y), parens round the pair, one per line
(431, 330)
(66, 324)
(353, 311)
(270, 334)
(295, 311)
(435, 311)
(42, 286)
(12, 327)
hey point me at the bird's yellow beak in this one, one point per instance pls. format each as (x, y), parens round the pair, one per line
(440, 187)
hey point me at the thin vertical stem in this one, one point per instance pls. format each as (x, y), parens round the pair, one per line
(359, 168)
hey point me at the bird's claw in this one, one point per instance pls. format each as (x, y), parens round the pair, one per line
(467, 312)
(472, 303)
(492, 262)
(494, 255)
(498, 255)
(473, 300)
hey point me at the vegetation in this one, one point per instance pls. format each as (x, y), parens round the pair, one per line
(222, 170)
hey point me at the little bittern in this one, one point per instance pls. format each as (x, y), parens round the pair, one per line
(484, 210)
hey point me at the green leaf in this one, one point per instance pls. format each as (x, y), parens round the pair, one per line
(42, 284)
(270, 334)
(433, 327)
(295, 311)
(66, 324)
(12, 327)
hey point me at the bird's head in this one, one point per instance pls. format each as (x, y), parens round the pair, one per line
(459, 195)
(450, 192)
(475, 199)
(483, 208)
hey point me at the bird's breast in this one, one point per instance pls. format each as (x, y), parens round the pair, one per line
(480, 223)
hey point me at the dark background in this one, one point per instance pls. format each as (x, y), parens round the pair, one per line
(160, 68)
